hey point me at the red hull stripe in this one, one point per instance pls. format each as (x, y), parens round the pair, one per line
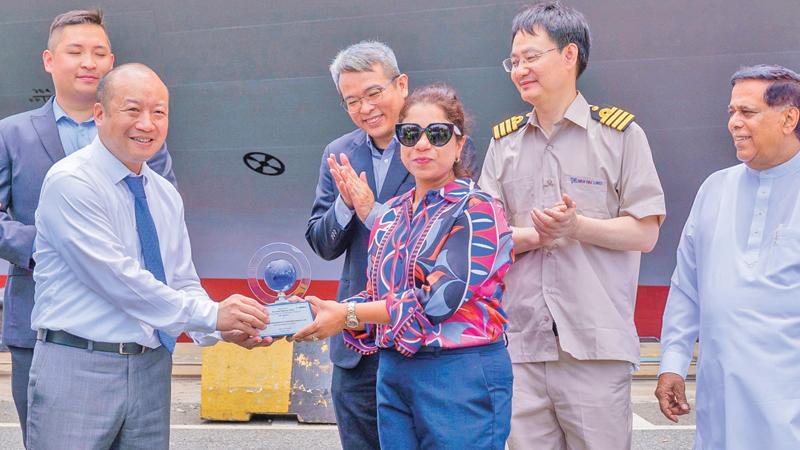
(650, 300)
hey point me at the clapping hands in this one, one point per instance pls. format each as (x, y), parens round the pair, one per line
(560, 220)
(353, 188)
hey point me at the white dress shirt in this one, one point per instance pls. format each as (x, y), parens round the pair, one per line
(737, 287)
(90, 277)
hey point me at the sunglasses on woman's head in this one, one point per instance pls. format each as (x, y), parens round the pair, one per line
(438, 134)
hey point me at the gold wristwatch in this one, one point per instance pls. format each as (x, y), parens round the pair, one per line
(351, 320)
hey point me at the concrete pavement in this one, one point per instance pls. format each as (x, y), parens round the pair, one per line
(651, 430)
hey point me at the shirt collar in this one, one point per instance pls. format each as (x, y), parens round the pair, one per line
(451, 192)
(111, 166)
(59, 114)
(789, 167)
(577, 113)
(374, 149)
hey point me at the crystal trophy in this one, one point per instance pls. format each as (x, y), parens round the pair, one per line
(278, 271)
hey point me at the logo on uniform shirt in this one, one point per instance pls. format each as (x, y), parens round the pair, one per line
(586, 181)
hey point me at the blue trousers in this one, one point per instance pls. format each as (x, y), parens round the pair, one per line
(353, 392)
(452, 399)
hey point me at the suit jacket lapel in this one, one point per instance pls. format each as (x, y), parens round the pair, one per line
(395, 177)
(45, 125)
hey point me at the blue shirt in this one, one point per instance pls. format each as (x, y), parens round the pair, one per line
(736, 287)
(381, 160)
(73, 135)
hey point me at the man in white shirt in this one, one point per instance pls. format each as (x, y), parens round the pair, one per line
(737, 281)
(115, 281)
(78, 54)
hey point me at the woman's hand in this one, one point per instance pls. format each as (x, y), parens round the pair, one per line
(328, 321)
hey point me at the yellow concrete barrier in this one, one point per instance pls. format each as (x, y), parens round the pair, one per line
(284, 378)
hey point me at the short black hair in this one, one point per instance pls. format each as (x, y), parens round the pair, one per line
(565, 26)
(75, 17)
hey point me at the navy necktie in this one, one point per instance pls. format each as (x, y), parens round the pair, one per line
(148, 238)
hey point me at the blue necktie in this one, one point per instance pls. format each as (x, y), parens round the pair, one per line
(148, 238)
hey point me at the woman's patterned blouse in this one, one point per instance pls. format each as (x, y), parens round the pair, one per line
(440, 270)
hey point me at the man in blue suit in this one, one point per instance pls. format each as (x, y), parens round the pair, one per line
(373, 91)
(78, 54)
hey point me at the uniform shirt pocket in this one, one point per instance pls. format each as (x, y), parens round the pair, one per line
(520, 198)
(588, 193)
(783, 265)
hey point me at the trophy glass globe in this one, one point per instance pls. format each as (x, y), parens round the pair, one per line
(278, 270)
(280, 275)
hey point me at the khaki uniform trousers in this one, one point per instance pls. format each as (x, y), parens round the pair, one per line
(571, 405)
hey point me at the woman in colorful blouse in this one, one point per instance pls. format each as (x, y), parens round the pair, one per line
(437, 259)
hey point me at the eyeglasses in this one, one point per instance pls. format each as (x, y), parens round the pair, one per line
(511, 64)
(438, 134)
(372, 96)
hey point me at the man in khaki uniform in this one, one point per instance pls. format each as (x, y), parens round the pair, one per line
(584, 200)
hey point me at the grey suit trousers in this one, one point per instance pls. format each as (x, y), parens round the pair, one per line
(81, 399)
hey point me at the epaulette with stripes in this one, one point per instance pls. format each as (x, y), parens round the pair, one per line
(510, 125)
(612, 116)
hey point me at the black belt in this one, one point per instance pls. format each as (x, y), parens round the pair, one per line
(70, 340)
